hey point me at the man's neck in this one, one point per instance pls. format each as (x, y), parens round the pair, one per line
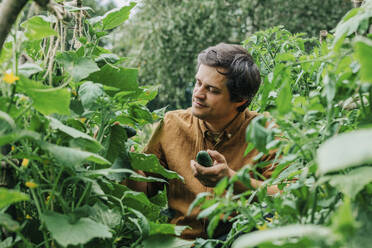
(218, 126)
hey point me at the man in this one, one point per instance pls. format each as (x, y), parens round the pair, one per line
(225, 83)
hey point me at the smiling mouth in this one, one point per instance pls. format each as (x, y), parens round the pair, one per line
(200, 105)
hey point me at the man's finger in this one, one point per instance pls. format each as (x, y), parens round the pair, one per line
(217, 156)
(192, 165)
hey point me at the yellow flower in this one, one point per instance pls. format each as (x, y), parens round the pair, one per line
(25, 162)
(263, 227)
(10, 78)
(12, 148)
(28, 217)
(74, 92)
(82, 120)
(31, 185)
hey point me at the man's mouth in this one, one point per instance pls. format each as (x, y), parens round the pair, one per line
(199, 105)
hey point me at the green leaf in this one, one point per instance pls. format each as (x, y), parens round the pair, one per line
(351, 22)
(7, 243)
(141, 222)
(140, 113)
(198, 200)
(356, 180)
(117, 139)
(46, 100)
(29, 69)
(7, 222)
(208, 211)
(56, 124)
(8, 119)
(140, 202)
(110, 217)
(255, 238)
(363, 53)
(150, 163)
(21, 134)
(78, 67)
(89, 92)
(107, 58)
(161, 241)
(213, 225)
(171, 229)
(345, 150)
(343, 220)
(221, 186)
(117, 16)
(284, 99)
(71, 157)
(38, 27)
(118, 77)
(8, 196)
(80, 232)
(257, 134)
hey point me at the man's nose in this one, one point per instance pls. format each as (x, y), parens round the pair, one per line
(199, 92)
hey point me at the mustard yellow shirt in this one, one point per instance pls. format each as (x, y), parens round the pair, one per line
(177, 140)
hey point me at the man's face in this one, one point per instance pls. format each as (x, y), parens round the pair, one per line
(210, 98)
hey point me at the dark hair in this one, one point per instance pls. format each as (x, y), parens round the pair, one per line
(243, 76)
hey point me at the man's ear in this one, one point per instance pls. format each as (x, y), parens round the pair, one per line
(241, 103)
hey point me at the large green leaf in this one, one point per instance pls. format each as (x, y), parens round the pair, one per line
(8, 196)
(38, 27)
(284, 99)
(255, 238)
(46, 99)
(150, 163)
(56, 124)
(78, 67)
(118, 77)
(110, 217)
(356, 180)
(80, 232)
(28, 69)
(165, 228)
(72, 157)
(116, 146)
(351, 21)
(89, 92)
(363, 53)
(5, 118)
(117, 16)
(161, 241)
(345, 150)
(140, 202)
(344, 223)
(257, 134)
(7, 222)
(20, 134)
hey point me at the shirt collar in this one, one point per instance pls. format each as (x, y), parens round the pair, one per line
(230, 129)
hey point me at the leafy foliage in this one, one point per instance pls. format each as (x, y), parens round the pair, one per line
(321, 103)
(69, 113)
(164, 45)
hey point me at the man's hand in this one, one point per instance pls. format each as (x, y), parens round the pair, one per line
(210, 176)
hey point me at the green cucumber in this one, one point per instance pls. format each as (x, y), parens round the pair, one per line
(204, 159)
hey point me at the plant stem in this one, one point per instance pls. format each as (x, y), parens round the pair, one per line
(314, 205)
(39, 213)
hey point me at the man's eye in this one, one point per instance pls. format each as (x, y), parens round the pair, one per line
(212, 90)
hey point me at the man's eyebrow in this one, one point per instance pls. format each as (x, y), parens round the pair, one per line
(208, 85)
